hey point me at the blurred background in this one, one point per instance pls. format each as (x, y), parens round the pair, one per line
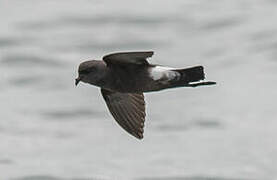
(51, 130)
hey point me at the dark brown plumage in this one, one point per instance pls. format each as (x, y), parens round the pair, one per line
(124, 77)
(128, 109)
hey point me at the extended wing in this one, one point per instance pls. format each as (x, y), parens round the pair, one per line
(128, 109)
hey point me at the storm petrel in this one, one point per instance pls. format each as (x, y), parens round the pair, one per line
(123, 78)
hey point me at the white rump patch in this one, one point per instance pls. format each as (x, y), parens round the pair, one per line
(161, 72)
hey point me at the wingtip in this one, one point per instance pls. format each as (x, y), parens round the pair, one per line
(139, 136)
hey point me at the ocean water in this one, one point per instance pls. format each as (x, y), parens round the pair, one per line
(51, 130)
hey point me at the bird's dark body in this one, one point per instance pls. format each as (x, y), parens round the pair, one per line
(124, 77)
(131, 80)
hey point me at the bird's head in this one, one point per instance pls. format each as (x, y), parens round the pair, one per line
(88, 72)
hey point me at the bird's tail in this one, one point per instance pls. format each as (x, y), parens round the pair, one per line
(189, 76)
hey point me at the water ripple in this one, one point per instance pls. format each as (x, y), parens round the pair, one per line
(14, 41)
(96, 20)
(196, 123)
(87, 47)
(27, 60)
(72, 114)
(6, 161)
(46, 177)
(222, 23)
(191, 178)
(26, 81)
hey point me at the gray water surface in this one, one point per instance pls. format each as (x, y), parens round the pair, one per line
(51, 130)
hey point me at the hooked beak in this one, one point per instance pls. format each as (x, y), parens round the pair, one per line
(77, 81)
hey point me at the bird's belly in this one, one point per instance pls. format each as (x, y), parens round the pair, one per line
(130, 82)
(137, 83)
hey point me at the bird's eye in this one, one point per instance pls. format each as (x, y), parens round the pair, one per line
(84, 71)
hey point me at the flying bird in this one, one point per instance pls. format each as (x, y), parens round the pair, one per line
(123, 78)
